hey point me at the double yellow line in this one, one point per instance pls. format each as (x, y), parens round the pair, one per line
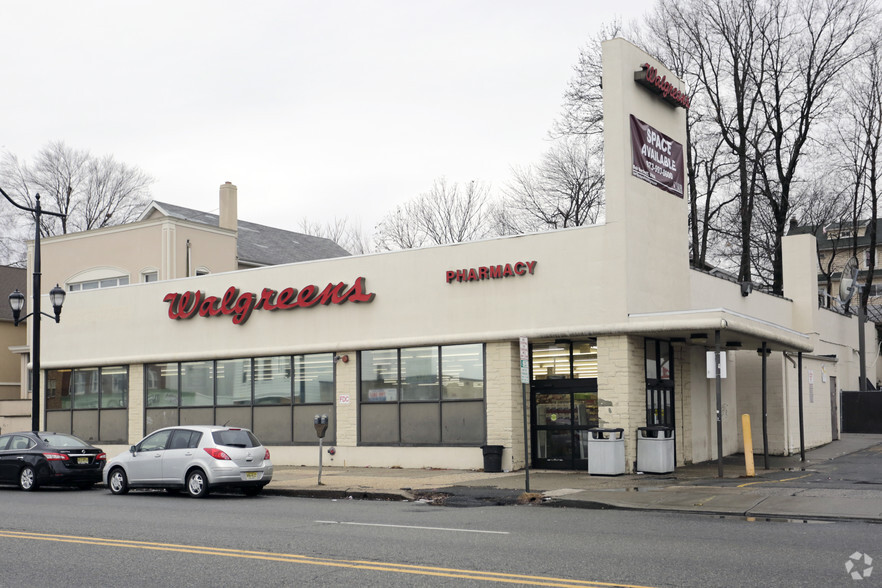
(316, 561)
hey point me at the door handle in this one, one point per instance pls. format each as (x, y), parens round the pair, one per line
(157, 455)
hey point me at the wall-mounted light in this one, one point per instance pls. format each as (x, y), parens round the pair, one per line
(698, 338)
(760, 351)
(343, 358)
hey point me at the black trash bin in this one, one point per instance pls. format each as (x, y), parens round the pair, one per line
(492, 458)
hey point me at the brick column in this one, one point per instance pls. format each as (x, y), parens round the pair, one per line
(683, 404)
(136, 403)
(621, 388)
(504, 401)
(347, 414)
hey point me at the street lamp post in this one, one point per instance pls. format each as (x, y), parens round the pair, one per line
(16, 302)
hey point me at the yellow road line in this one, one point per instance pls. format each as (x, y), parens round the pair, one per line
(774, 481)
(319, 561)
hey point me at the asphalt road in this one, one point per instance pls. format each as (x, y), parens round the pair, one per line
(90, 538)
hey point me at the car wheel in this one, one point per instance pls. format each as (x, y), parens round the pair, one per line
(197, 484)
(118, 482)
(27, 479)
(252, 490)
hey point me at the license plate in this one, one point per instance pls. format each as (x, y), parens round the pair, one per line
(250, 475)
(82, 460)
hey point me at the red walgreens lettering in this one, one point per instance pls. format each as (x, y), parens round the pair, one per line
(649, 78)
(188, 304)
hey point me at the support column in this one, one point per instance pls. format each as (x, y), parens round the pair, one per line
(621, 388)
(504, 402)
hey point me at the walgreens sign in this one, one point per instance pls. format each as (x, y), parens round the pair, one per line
(240, 305)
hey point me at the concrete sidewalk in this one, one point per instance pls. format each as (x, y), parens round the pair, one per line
(788, 489)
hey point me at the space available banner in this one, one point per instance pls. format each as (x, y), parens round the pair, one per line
(656, 158)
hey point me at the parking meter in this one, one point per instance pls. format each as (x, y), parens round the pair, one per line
(321, 425)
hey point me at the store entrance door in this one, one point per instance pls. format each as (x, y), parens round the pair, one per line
(562, 412)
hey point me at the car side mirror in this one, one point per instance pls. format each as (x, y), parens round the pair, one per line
(133, 450)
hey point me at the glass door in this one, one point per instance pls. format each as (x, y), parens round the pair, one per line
(562, 413)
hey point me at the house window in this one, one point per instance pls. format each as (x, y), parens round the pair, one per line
(422, 396)
(96, 284)
(150, 277)
(90, 403)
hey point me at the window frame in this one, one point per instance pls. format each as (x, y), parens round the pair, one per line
(175, 414)
(413, 405)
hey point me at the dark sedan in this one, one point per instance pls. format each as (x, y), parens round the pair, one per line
(33, 459)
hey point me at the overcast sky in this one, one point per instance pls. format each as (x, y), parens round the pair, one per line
(313, 109)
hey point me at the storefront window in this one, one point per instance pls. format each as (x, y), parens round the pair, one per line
(651, 359)
(379, 375)
(58, 389)
(419, 373)
(411, 409)
(248, 392)
(584, 359)
(114, 387)
(314, 378)
(89, 403)
(233, 382)
(84, 388)
(462, 374)
(197, 383)
(161, 384)
(272, 380)
(564, 360)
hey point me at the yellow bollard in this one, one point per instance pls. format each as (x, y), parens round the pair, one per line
(748, 445)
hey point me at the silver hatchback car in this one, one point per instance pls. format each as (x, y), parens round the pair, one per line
(196, 459)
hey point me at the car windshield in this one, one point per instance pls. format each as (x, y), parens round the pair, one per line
(235, 438)
(61, 440)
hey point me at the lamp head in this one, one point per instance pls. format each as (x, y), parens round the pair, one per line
(16, 303)
(56, 297)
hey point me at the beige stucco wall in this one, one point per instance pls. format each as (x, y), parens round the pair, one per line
(10, 363)
(158, 244)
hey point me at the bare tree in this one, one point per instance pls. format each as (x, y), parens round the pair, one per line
(860, 147)
(565, 190)
(344, 232)
(819, 211)
(90, 192)
(114, 194)
(448, 213)
(726, 37)
(583, 99)
(806, 46)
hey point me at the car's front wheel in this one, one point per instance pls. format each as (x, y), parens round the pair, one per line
(197, 484)
(118, 482)
(27, 479)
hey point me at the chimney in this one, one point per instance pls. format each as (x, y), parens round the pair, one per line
(229, 211)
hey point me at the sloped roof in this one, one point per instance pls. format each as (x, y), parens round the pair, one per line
(10, 279)
(260, 244)
(820, 233)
